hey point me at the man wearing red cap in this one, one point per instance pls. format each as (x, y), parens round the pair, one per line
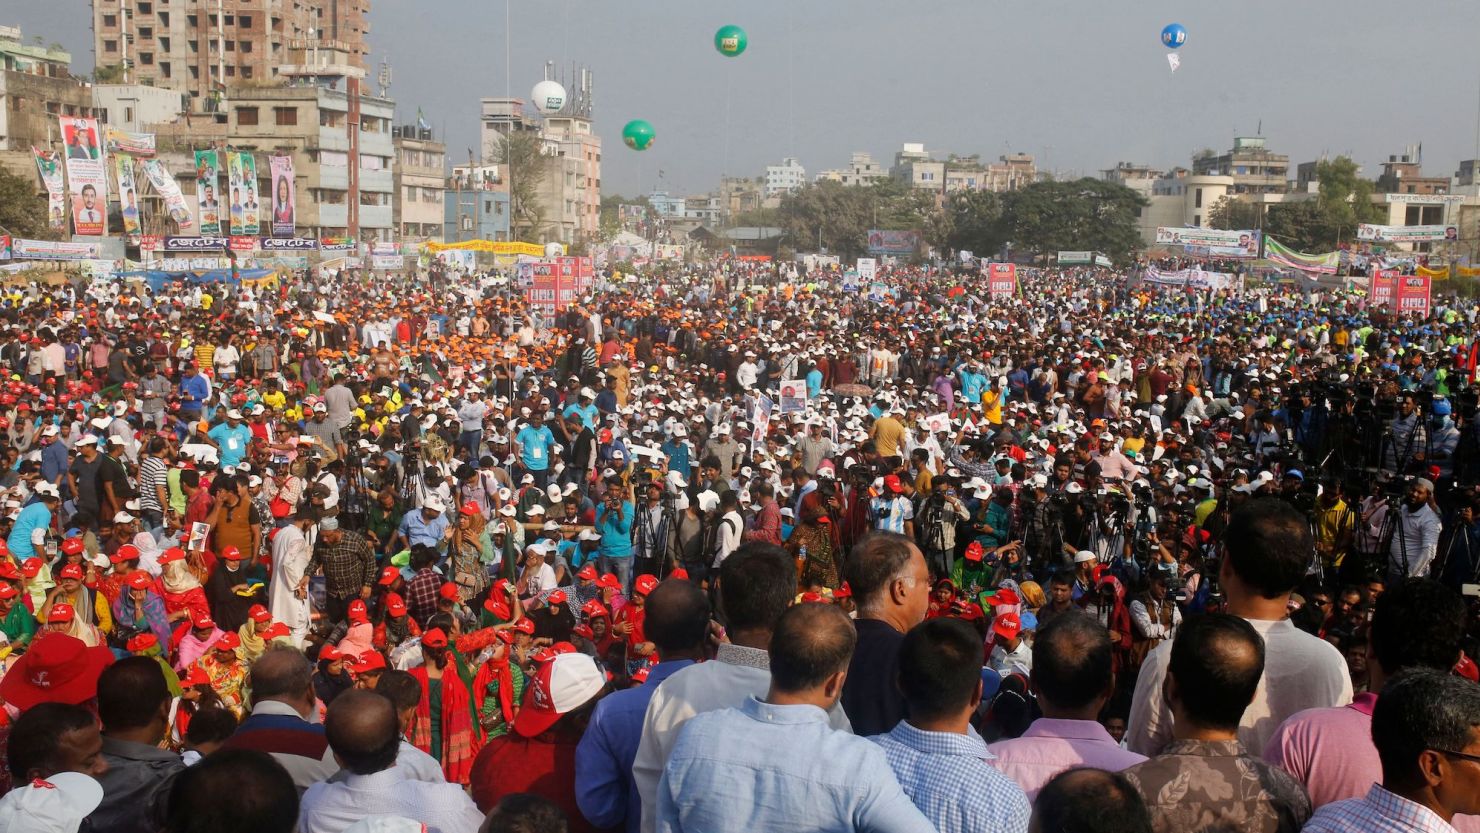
(1011, 654)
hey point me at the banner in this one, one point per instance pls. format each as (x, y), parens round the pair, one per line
(489, 246)
(1002, 279)
(335, 244)
(760, 418)
(867, 269)
(52, 250)
(1193, 278)
(122, 141)
(1219, 242)
(292, 244)
(176, 243)
(86, 180)
(1277, 252)
(283, 202)
(207, 179)
(49, 165)
(1406, 234)
(1382, 287)
(882, 242)
(241, 173)
(128, 193)
(793, 396)
(1414, 295)
(1436, 274)
(387, 261)
(4, 247)
(667, 251)
(1080, 258)
(174, 201)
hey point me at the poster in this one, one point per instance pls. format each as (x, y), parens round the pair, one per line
(1406, 234)
(1219, 242)
(1382, 287)
(128, 193)
(1414, 295)
(199, 532)
(241, 172)
(760, 419)
(207, 180)
(86, 181)
(882, 242)
(1192, 278)
(283, 200)
(793, 396)
(49, 165)
(938, 423)
(867, 268)
(122, 141)
(1002, 279)
(24, 249)
(174, 201)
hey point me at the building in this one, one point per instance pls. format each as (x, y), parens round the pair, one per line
(418, 184)
(1181, 199)
(861, 170)
(1009, 173)
(664, 205)
(915, 168)
(1255, 169)
(203, 48)
(1403, 174)
(496, 118)
(1468, 174)
(476, 202)
(785, 178)
(131, 106)
(36, 86)
(1139, 178)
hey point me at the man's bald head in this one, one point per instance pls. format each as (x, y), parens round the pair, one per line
(1216, 663)
(363, 731)
(811, 642)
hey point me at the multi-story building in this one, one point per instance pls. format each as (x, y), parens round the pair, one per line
(131, 106)
(419, 183)
(667, 206)
(915, 168)
(1403, 174)
(861, 170)
(36, 87)
(1255, 168)
(201, 48)
(476, 203)
(1139, 178)
(785, 178)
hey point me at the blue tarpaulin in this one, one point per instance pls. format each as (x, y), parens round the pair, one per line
(157, 278)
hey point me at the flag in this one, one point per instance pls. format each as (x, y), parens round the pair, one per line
(1173, 60)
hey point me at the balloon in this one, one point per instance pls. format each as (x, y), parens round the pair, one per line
(1174, 35)
(638, 134)
(548, 97)
(554, 250)
(730, 41)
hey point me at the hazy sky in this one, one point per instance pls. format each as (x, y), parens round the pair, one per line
(1079, 84)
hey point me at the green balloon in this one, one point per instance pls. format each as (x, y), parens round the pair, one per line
(730, 41)
(638, 134)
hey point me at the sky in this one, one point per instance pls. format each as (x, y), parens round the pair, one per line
(1079, 84)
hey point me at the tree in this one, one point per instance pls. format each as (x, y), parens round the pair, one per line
(1080, 214)
(975, 219)
(1321, 224)
(828, 214)
(1233, 213)
(22, 209)
(108, 74)
(526, 166)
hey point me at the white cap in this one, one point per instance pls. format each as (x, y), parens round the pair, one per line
(435, 504)
(708, 501)
(101, 422)
(233, 414)
(507, 510)
(123, 518)
(588, 535)
(50, 431)
(1084, 557)
(57, 804)
(88, 440)
(49, 489)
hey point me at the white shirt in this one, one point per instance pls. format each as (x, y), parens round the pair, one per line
(331, 807)
(290, 556)
(735, 674)
(1019, 661)
(731, 527)
(1417, 538)
(416, 764)
(1300, 672)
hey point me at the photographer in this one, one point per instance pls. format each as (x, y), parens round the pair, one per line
(939, 513)
(614, 519)
(1415, 535)
(1405, 442)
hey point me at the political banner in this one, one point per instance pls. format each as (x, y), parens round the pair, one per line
(1190, 278)
(667, 251)
(867, 268)
(284, 201)
(938, 423)
(4, 247)
(1279, 253)
(387, 261)
(1414, 295)
(213, 243)
(52, 250)
(760, 419)
(336, 244)
(242, 243)
(1077, 258)
(174, 201)
(290, 244)
(1002, 279)
(241, 174)
(885, 242)
(128, 193)
(86, 181)
(495, 247)
(1406, 234)
(207, 180)
(793, 396)
(1382, 287)
(123, 141)
(49, 166)
(1244, 240)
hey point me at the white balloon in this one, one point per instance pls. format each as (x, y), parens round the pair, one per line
(548, 97)
(554, 250)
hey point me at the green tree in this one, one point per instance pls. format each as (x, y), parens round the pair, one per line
(1079, 214)
(1233, 213)
(1321, 224)
(830, 214)
(975, 218)
(22, 208)
(108, 74)
(527, 167)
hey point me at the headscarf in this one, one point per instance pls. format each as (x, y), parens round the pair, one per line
(178, 578)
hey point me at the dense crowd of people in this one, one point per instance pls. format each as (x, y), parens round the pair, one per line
(724, 547)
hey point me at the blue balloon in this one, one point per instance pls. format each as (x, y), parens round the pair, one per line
(1174, 35)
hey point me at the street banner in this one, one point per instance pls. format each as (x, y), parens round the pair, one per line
(1191, 278)
(387, 261)
(175, 243)
(1414, 295)
(1077, 258)
(52, 250)
(495, 247)
(86, 181)
(885, 242)
(793, 396)
(1382, 287)
(332, 244)
(122, 141)
(174, 201)
(1406, 234)
(1219, 242)
(1002, 279)
(128, 193)
(1279, 253)
(284, 201)
(867, 267)
(49, 166)
(289, 244)
(241, 172)
(207, 180)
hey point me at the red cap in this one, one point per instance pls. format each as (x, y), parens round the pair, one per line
(556, 598)
(70, 571)
(367, 662)
(229, 641)
(448, 591)
(259, 614)
(1004, 596)
(434, 638)
(395, 605)
(201, 619)
(60, 612)
(9, 572)
(358, 613)
(127, 552)
(645, 584)
(812, 597)
(843, 592)
(31, 567)
(230, 553)
(525, 625)
(1007, 625)
(583, 631)
(587, 573)
(172, 554)
(974, 551)
(609, 580)
(563, 681)
(498, 607)
(276, 630)
(594, 609)
(72, 546)
(470, 509)
(139, 580)
(329, 653)
(57, 669)
(197, 676)
(388, 576)
(141, 642)
(679, 573)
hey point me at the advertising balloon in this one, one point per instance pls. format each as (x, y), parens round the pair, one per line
(1173, 36)
(638, 134)
(548, 97)
(730, 41)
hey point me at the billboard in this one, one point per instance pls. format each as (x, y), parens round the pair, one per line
(128, 193)
(122, 141)
(86, 181)
(883, 242)
(1382, 287)
(1414, 295)
(1002, 279)
(1406, 234)
(867, 268)
(1218, 242)
(241, 176)
(49, 166)
(1075, 258)
(207, 180)
(174, 201)
(52, 250)
(283, 201)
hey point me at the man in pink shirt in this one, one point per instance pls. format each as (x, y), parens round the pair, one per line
(1073, 683)
(1418, 623)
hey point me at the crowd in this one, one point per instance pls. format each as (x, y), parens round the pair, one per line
(721, 547)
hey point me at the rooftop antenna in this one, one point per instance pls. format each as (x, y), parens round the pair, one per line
(383, 78)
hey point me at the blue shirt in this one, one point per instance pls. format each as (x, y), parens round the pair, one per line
(678, 457)
(587, 414)
(53, 461)
(233, 442)
(814, 383)
(947, 776)
(419, 530)
(763, 768)
(605, 791)
(34, 516)
(972, 386)
(534, 447)
(193, 392)
(616, 533)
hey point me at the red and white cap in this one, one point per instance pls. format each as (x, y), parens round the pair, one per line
(57, 804)
(561, 684)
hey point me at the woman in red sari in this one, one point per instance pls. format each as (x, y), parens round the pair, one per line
(444, 726)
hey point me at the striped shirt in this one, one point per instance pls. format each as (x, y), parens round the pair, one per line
(1380, 811)
(949, 778)
(153, 476)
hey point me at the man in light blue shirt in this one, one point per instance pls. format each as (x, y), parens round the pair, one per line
(425, 526)
(939, 759)
(28, 535)
(586, 410)
(232, 438)
(775, 765)
(533, 442)
(614, 523)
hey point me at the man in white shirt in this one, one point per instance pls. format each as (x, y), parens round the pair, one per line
(756, 585)
(1268, 548)
(1011, 654)
(1416, 536)
(288, 593)
(365, 735)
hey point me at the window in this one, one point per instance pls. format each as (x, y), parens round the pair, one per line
(190, 20)
(110, 20)
(244, 21)
(146, 8)
(194, 71)
(230, 70)
(164, 19)
(246, 72)
(410, 195)
(231, 46)
(1197, 220)
(146, 58)
(246, 46)
(165, 69)
(146, 32)
(1197, 199)
(286, 116)
(164, 43)
(110, 46)
(195, 46)
(488, 205)
(246, 116)
(231, 20)
(128, 114)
